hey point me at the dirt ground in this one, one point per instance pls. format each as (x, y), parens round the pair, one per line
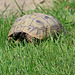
(24, 4)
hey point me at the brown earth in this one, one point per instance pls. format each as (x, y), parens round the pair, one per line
(24, 4)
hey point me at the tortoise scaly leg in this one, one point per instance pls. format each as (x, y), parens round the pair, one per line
(30, 39)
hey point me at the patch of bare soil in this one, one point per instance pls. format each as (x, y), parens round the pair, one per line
(24, 4)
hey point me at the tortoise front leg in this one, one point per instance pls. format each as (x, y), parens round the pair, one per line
(30, 38)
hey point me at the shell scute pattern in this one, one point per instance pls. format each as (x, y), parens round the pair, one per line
(50, 20)
(38, 22)
(35, 25)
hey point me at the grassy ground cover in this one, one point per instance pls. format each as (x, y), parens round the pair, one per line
(47, 58)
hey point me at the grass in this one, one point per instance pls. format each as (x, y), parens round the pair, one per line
(47, 58)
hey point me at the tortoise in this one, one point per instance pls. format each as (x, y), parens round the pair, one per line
(35, 25)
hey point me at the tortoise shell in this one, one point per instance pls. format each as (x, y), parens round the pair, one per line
(35, 25)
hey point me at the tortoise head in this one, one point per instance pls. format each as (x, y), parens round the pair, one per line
(17, 36)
